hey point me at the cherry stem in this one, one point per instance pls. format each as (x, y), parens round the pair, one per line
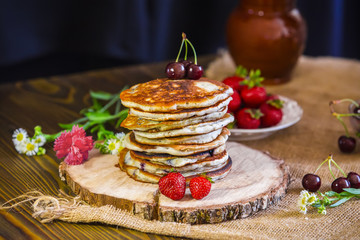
(340, 115)
(186, 50)
(344, 125)
(195, 57)
(330, 160)
(181, 46)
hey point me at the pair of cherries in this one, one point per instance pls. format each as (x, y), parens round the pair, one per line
(184, 68)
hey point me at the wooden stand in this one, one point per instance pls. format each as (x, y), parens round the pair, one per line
(255, 182)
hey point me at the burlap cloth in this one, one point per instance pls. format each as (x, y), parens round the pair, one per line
(303, 146)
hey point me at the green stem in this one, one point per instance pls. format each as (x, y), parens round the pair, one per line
(327, 159)
(181, 46)
(186, 50)
(118, 106)
(332, 174)
(338, 167)
(344, 125)
(109, 104)
(195, 57)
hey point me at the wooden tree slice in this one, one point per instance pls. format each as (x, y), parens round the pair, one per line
(255, 182)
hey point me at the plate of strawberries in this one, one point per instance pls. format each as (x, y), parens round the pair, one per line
(257, 113)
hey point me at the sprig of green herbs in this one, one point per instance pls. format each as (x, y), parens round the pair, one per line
(97, 118)
(334, 199)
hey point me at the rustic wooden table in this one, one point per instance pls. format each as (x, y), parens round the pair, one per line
(49, 101)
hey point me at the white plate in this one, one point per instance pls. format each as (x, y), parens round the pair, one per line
(292, 113)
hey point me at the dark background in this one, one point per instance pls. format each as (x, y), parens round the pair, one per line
(40, 38)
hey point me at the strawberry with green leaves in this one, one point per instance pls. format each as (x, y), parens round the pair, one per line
(200, 186)
(235, 81)
(248, 118)
(272, 113)
(173, 185)
(253, 94)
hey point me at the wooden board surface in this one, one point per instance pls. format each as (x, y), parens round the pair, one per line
(255, 182)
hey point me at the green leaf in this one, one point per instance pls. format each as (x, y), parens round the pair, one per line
(98, 116)
(341, 201)
(352, 191)
(331, 193)
(101, 95)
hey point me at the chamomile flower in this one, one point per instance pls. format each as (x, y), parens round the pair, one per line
(303, 201)
(31, 148)
(120, 136)
(113, 146)
(21, 147)
(19, 135)
(40, 140)
(312, 199)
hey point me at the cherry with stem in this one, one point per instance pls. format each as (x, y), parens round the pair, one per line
(346, 143)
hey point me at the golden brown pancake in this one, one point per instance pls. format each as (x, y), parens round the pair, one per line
(165, 95)
(176, 150)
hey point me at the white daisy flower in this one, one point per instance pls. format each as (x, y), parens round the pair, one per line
(113, 146)
(20, 147)
(303, 209)
(303, 200)
(120, 136)
(312, 199)
(40, 140)
(19, 135)
(31, 148)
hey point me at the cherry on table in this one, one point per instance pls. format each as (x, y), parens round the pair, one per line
(175, 70)
(346, 144)
(311, 182)
(354, 179)
(339, 184)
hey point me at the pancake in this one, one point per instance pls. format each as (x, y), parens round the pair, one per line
(177, 150)
(177, 161)
(196, 129)
(181, 114)
(133, 122)
(142, 176)
(208, 164)
(164, 95)
(189, 139)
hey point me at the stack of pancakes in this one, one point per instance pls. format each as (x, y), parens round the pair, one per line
(176, 125)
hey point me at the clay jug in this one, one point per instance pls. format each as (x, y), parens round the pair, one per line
(268, 35)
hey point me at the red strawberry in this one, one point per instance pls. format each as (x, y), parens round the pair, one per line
(235, 102)
(234, 81)
(173, 185)
(272, 112)
(248, 118)
(200, 186)
(253, 94)
(253, 97)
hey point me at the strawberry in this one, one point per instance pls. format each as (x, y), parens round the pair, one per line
(272, 112)
(200, 186)
(253, 97)
(248, 118)
(173, 185)
(235, 102)
(253, 94)
(235, 81)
